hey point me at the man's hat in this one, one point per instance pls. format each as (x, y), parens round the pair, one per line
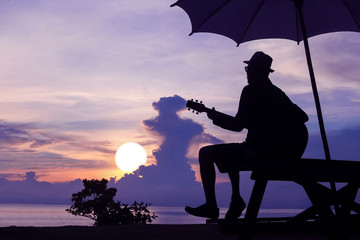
(261, 60)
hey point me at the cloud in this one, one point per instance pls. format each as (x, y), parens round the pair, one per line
(40, 135)
(14, 134)
(30, 190)
(171, 181)
(35, 146)
(343, 143)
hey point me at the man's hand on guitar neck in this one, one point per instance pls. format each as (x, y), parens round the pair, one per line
(212, 113)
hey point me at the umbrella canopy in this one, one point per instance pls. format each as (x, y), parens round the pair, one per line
(246, 20)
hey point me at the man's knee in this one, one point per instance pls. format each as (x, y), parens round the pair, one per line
(205, 154)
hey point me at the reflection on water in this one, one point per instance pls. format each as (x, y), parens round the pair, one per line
(55, 215)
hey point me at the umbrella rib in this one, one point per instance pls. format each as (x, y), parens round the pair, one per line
(176, 3)
(210, 16)
(297, 27)
(251, 21)
(351, 13)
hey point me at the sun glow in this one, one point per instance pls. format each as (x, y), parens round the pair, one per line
(130, 156)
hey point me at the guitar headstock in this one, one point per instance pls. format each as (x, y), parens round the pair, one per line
(197, 106)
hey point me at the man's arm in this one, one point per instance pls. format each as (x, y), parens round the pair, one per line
(225, 121)
(237, 123)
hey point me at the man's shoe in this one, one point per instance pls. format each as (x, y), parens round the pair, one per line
(235, 209)
(203, 211)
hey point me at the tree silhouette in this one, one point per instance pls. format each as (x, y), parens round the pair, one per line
(96, 202)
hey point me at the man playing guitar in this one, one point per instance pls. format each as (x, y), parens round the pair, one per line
(276, 131)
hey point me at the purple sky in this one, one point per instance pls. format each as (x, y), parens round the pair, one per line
(79, 78)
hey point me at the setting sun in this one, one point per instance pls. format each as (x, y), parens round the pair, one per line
(130, 156)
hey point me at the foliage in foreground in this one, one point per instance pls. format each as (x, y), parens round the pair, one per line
(96, 202)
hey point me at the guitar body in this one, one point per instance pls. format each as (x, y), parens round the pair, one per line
(296, 142)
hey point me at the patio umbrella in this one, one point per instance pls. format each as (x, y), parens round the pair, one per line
(246, 20)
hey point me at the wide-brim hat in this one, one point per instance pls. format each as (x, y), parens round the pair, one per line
(261, 60)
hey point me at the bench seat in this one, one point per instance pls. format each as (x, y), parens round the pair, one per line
(318, 170)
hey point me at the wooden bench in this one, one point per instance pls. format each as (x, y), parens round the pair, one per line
(310, 173)
(327, 205)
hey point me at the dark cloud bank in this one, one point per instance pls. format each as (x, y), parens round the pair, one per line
(172, 181)
(32, 191)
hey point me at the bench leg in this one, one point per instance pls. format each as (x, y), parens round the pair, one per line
(355, 207)
(255, 200)
(319, 197)
(346, 198)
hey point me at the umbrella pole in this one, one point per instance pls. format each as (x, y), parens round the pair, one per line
(317, 100)
(298, 4)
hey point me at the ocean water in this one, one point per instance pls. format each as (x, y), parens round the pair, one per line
(39, 215)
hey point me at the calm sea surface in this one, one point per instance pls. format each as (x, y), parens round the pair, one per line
(55, 215)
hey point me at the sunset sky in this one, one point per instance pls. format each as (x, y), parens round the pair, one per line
(79, 78)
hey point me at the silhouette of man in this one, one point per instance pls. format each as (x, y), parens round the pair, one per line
(276, 132)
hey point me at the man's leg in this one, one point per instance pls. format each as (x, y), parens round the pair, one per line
(235, 157)
(225, 156)
(208, 177)
(235, 184)
(237, 204)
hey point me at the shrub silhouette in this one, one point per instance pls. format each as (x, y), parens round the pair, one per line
(96, 202)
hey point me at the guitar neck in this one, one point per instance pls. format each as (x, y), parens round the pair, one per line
(199, 107)
(206, 109)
